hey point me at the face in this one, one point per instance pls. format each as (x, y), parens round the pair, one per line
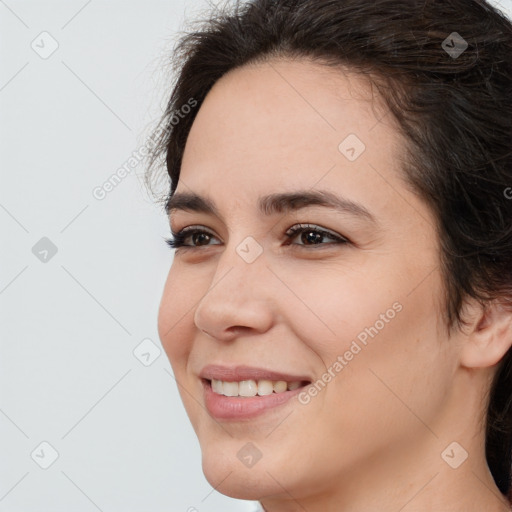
(323, 327)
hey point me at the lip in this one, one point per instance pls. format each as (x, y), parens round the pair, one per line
(244, 408)
(238, 373)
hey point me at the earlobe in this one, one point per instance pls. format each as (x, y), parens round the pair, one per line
(489, 338)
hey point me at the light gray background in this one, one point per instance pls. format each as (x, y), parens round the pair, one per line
(70, 325)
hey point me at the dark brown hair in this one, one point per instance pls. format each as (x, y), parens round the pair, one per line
(453, 104)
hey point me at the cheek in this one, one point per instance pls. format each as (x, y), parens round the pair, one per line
(396, 365)
(177, 331)
(175, 318)
(337, 305)
(363, 326)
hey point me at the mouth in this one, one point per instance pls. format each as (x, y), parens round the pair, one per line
(236, 393)
(250, 388)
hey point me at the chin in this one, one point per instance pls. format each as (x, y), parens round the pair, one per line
(230, 476)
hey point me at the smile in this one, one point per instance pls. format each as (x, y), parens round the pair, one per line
(249, 388)
(236, 393)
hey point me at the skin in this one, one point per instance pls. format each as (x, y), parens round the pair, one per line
(372, 439)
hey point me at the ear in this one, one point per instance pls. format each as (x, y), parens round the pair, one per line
(489, 337)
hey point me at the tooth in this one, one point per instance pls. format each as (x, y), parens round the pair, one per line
(230, 388)
(248, 388)
(280, 386)
(251, 387)
(265, 387)
(217, 386)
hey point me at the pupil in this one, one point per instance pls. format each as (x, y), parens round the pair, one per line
(199, 236)
(312, 237)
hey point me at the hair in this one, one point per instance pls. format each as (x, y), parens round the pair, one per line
(455, 112)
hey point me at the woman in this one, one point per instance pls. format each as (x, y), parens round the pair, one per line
(338, 313)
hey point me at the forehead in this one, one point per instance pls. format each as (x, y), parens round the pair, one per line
(263, 125)
(284, 101)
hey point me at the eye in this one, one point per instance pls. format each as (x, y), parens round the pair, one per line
(312, 235)
(198, 236)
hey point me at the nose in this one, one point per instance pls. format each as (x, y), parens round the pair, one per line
(239, 299)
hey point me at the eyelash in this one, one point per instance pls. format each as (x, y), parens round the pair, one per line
(178, 239)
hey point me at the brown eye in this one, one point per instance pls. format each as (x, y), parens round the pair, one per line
(311, 235)
(198, 238)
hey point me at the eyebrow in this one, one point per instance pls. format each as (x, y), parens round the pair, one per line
(273, 204)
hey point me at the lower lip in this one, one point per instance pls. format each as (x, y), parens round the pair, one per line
(238, 408)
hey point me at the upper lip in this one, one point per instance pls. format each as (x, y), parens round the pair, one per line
(241, 372)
